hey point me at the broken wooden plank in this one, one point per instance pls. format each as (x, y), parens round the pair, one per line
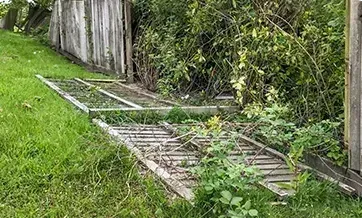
(63, 94)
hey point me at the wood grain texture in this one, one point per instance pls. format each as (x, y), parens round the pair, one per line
(354, 90)
(93, 32)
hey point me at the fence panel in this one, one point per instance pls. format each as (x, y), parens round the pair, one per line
(91, 31)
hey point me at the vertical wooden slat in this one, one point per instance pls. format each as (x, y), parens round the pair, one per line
(355, 85)
(54, 26)
(346, 79)
(61, 23)
(93, 31)
(121, 48)
(129, 44)
(106, 34)
(89, 30)
(111, 34)
(82, 31)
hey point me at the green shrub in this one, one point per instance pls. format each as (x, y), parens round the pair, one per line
(296, 47)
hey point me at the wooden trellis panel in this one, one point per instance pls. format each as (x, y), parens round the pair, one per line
(93, 31)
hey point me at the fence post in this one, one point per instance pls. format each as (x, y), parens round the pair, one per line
(354, 82)
(129, 44)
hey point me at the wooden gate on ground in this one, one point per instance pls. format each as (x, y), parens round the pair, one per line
(95, 32)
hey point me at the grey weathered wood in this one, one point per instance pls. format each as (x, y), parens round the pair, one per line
(338, 173)
(147, 94)
(104, 80)
(164, 110)
(140, 132)
(355, 81)
(92, 31)
(174, 156)
(129, 44)
(54, 26)
(63, 94)
(131, 104)
(344, 187)
(167, 178)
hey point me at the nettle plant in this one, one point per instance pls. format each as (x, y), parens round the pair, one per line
(222, 182)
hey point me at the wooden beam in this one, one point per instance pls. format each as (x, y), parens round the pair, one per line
(133, 105)
(338, 173)
(354, 81)
(63, 94)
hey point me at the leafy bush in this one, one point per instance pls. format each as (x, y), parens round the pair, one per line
(322, 138)
(293, 46)
(3, 9)
(223, 183)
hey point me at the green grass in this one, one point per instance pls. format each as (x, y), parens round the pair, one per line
(54, 163)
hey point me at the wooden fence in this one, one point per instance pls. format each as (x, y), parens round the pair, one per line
(353, 104)
(97, 32)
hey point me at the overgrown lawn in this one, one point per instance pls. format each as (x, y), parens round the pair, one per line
(54, 163)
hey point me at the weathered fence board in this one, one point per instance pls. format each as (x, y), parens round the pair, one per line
(93, 31)
(354, 81)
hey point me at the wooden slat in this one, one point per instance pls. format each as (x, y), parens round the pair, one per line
(142, 132)
(104, 80)
(176, 185)
(140, 128)
(173, 158)
(355, 81)
(164, 110)
(279, 178)
(276, 172)
(265, 162)
(173, 153)
(167, 144)
(151, 140)
(144, 93)
(272, 166)
(128, 36)
(92, 32)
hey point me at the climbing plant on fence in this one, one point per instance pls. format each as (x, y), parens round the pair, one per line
(248, 47)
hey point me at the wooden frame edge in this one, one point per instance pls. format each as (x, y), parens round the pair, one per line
(64, 94)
